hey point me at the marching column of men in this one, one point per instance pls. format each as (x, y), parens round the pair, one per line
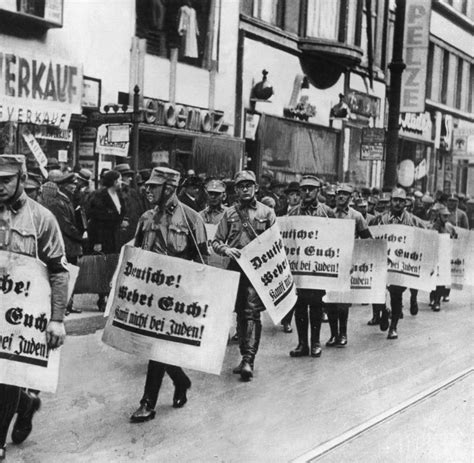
(147, 207)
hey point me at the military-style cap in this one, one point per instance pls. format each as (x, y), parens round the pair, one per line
(427, 199)
(124, 169)
(69, 177)
(372, 200)
(443, 210)
(12, 164)
(418, 194)
(293, 187)
(144, 174)
(384, 197)
(345, 188)
(32, 183)
(399, 193)
(53, 163)
(461, 196)
(216, 186)
(330, 190)
(361, 202)
(245, 176)
(161, 175)
(453, 197)
(84, 174)
(193, 180)
(310, 180)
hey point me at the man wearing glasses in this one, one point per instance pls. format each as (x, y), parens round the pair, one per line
(240, 225)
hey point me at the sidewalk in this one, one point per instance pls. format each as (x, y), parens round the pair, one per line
(87, 322)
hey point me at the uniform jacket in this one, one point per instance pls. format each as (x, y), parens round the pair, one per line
(459, 219)
(315, 209)
(361, 227)
(405, 218)
(104, 222)
(34, 232)
(240, 225)
(176, 231)
(214, 215)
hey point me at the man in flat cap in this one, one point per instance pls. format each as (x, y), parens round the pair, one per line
(29, 229)
(240, 225)
(215, 190)
(395, 215)
(312, 298)
(176, 230)
(338, 314)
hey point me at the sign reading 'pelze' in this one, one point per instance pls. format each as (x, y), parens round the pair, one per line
(25, 309)
(170, 310)
(37, 90)
(319, 251)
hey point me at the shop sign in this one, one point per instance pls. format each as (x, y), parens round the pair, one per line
(251, 125)
(186, 117)
(416, 125)
(91, 92)
(415, 48)
(363, 104)
(35, 148)
(45, 132)
(463, 142)
(37, 90)
(106, 146)
(372, 144)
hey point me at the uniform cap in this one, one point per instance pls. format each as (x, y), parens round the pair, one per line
(124, 169)
(384, 197)
(372, 200)
(399, 193)
(144, 174)
(69, 177)
(193, 180)
(216, 186)
(427, 199)
(310, 180)
(461, 196)
(346, 188)
(12, 164)
(32, 183)
(418, 194)
(245, 176)
(361, 202)
(443, 210)
(453, 197)
(53, 163)
(161, 175)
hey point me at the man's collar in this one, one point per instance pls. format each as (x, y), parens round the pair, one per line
(17, 203)
(252, 204)
(312, 205)
(218, 208)
(171, 204)
(344, 209)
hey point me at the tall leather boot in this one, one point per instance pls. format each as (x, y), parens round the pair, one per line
(315, 314)
(301, 322)
(241, 329)
(333, 324)
(343, 315)
(9, 398)
(375, 315)
(413, 301)
(252, 342)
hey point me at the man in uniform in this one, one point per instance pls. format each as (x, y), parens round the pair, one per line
(312, 298)
(240, 225)
(457, 217)
(28, 228)
(338, 314)
(395, 215)
(215, 209)
(362, 206)
(176, 230)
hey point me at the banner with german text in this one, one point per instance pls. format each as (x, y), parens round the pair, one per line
(412, 255)
(25, 307)
(319, 251)
(368, 275)
(171, 310)
(462, 258)
(265, 264)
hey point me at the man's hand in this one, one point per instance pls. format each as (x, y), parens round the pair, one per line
(55, 334)
(233, 253)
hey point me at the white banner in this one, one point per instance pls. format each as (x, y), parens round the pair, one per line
(171, 310)
(412, 255)
(106, 146)
(462, 258)
(25, 307)
(319, 251)
(443, 270)
(39, 90)
(368, 275)
(264, 262)
(35, 148)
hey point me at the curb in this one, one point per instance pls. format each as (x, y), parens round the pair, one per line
(82, 325)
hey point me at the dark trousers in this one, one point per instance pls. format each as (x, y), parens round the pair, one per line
(413, 295)
(154, 378)
(286, 320)
(248, 307)
(338, 314)
(309, 308)
(13, 399)
(396, 302)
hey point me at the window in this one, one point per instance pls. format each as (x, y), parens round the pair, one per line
(445, 74)
(49, 13)
(471, 89)
(429, 81)
(363, 35)
(458, 91)
(181, 24)
(284, 14)
(323, 19)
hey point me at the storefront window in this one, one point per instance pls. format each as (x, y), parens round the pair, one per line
(181, 24)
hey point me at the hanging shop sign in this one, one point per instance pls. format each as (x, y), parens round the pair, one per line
(35, 148)
(186, 117)
(372, 144)
(463, 142)
(91, 92)
(363, 104)
(36, 90)
(415, 53)
(45, 132)
(105, 145)
(416, 125)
